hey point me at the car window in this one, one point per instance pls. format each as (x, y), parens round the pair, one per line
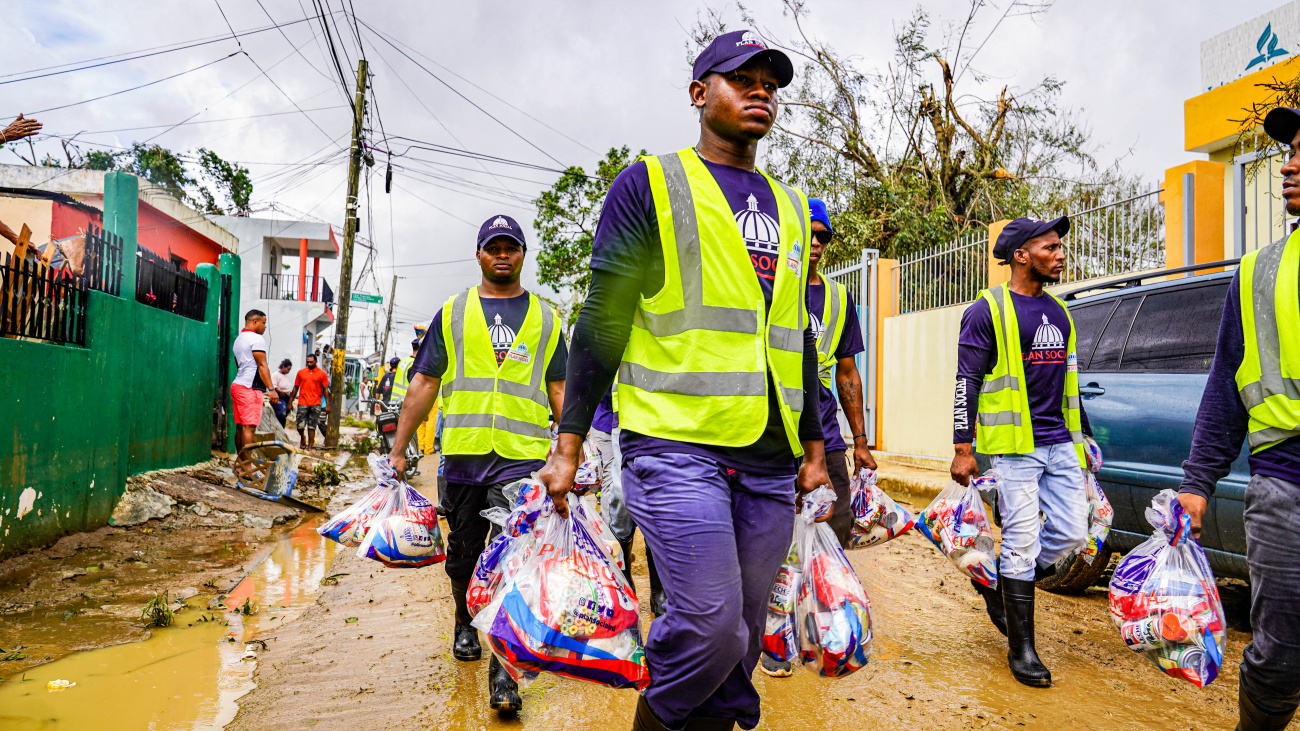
(1088, 321)
(1175, 331)
(1111, 343)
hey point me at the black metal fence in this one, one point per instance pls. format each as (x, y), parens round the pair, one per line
(162, 284)
(285, 287)
(103, 263)
(40, 302)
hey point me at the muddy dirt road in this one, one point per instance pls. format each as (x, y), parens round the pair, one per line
(374, 650)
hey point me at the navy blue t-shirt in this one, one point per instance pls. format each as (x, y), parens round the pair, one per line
(606, 418)
(1044, 334)
(850, 345)
(627, 243)
(504, 317)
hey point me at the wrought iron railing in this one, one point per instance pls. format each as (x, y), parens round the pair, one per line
(41, 302)
(1119, 236)
(102, 265)
(944, 275)
(163, 284)
(292, 287)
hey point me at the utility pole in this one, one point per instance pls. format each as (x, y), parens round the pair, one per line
(350, 225)
(388, 327)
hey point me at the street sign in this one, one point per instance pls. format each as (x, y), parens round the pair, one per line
(374, 299)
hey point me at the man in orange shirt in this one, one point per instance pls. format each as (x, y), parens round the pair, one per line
(313, 385)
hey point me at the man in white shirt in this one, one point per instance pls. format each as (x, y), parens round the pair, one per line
(282, 382)
(251, 379)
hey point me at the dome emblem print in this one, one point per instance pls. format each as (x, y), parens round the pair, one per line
(1048, 346)
(762, 237)
(502, 337)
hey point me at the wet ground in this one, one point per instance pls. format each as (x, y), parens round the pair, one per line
(374, 650)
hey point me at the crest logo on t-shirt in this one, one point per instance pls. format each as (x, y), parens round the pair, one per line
(502, 337)
(818, 329)
(1048, 336)
(762, 237)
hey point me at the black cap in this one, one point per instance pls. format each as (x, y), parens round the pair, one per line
(730, 51)
(1282, 123)
(415, 344)
(501, 226)
(1021, 230)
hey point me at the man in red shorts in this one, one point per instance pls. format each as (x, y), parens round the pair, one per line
(251, 379)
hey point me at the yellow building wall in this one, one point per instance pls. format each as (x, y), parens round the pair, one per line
(1208, 213)
(1208, 124)
(37, 213)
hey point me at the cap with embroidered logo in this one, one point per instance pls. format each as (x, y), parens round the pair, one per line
(501, 225)
(730, 51)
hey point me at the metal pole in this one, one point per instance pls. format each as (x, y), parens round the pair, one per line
(1189, 219)
(388, 326)
(345, 269)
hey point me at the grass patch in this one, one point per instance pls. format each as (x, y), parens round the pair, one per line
(157, 613)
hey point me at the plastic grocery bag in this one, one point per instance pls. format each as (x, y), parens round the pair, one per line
(505, 554)
(1093, 451)
(567, 610)
(958, 525)
(780, 640)
(1100, 515)
(349, 526)
(404, 532)
(876, 516)
(1164, 600)
(832, 611)
(588, 474)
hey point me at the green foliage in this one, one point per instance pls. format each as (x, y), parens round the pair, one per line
(358, 423)
(157, 612)
(566, 224)
(365, 444)
(325, 474)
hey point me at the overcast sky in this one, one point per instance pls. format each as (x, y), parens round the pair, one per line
(583, 76)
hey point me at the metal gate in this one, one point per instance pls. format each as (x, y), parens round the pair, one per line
(221, 400)
(1259, 214)
(859, 278)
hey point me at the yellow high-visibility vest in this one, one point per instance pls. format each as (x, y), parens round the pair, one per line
(837, 298)
(402, 379)
(702, 349)
(1268, 379)
(1003, 423)
(487, 408)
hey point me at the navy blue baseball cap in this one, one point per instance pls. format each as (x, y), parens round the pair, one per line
(1282, 123)
(1020, 231)
(817, 207)
(501, 226)
(730, 51)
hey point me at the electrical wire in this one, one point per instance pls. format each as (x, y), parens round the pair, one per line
(123, 91)
(209, 121)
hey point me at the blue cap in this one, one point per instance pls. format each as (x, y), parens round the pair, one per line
(1018, 232)
(730, 51)
(501, 225)
(1282, 123)
(817, 207)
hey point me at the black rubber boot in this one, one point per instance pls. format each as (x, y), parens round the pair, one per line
(1251, 718)
(627, 563)
(504, 690)
(993, 605)
(1018, 600)
(464, 645)
(657, 595)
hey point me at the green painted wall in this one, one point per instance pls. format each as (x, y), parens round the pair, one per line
(75, 422)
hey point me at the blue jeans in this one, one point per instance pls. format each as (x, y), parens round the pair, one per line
(1047, 483)
(718, 537)
(1270, 664)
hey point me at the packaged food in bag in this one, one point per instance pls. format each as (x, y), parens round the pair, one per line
(876, 516)
(588, 474)
(567, 610)
(1164, 600)
(349, 526)
(832, 615)
(1100, 515)
(957, 523)
(505, 554)
(1093, 451)
(780, 640)
(404, 533)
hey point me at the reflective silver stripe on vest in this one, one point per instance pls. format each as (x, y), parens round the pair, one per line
(1072, 402)
(784, 338)
(999, 418)
(993, 385)
(488, 421)
(793, 398)
(692, 384)
(533, 390)
(1264, 298)
(1268, 436)
(803, 241)
(831, 324)
(694, 315)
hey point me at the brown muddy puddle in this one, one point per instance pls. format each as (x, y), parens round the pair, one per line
(186, 676)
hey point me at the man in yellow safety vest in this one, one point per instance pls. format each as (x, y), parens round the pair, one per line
(1251, 395)
(497, 353)
(698, 305)
(1016, 351)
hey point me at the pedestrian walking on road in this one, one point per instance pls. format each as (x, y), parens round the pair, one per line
(385, 389)
(311, 388)
(1016, 351)
(834, 317)
(282, 382)
(1251, 395)
(499, 356)
(698, 287)
(252, 377)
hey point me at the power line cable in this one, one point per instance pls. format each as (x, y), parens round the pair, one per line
(285, 36)
(123, 91)
(209, 121)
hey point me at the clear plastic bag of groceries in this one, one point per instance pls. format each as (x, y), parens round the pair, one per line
(1164, 600)
(404, 533)
(1100, 515)
(350, 525)
(588, 474)
(506, 553)
(832, 613)
(1095, 457)
(876, 516)
(780, 638)
(957, 523)
(567, 610)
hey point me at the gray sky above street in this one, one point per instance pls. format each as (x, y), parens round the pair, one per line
(582, 76)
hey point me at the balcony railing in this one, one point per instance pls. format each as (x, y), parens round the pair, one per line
(295, 288)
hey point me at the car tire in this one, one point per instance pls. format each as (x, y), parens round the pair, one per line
(1074, 575)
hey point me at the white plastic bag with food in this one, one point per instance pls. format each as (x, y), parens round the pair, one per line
(957, 523)
(404, 533)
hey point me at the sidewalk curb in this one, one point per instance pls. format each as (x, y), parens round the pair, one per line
(916, 482)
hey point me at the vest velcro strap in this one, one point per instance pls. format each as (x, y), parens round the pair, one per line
(693, 384)
(1000, 418)
(487, 421)
(1270, 384)
(785, 338)
(993, 385)
(793, 398)
(697, 317)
